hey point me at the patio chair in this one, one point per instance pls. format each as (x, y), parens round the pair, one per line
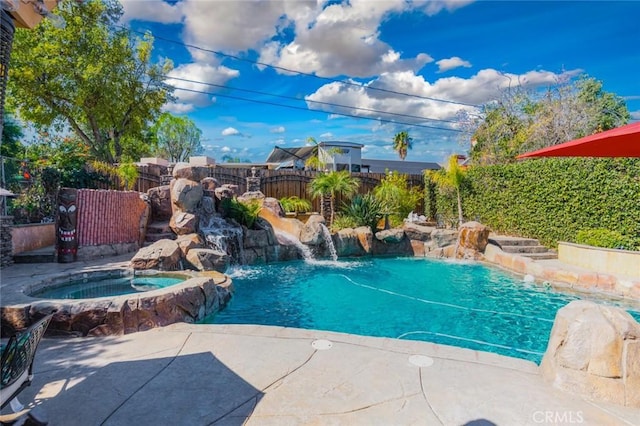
(17, 362)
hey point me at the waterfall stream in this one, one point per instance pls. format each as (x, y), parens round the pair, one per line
(329, 241)
(222, 236)
(288, 239)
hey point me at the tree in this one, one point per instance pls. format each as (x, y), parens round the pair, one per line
(396, 197)
(402, 143)
(178, 138)
(522, 120)
(88, 77)
(451, 177)
(11, 150)
(317, 160)
(329, 185)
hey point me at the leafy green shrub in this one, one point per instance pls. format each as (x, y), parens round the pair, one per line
(244, 213)
(342, 222)
(605, 238)
(295, 204)
(34, 205)
(397, 199)
(364, 210)
(551, 199)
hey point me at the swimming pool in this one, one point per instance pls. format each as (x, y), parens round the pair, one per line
(461, 304)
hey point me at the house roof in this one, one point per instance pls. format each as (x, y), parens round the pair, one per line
(407, 167)
(280, 155)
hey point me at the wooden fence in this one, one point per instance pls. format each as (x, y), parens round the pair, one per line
(281, 183)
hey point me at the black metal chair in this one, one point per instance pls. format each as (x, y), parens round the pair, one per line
(17, 362)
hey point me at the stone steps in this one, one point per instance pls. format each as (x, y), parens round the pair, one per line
(159, 231)
(527, 247)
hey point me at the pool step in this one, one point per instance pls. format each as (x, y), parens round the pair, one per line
(41, 255)
(527, 247)
(159, 231)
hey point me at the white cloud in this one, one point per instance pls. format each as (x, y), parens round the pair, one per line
(451, 63)
(326, 135)
(481, 88)
(151, 11)
(279, 129)
(185, 76)
(178, 108)
(241, 25)
(225, 149)
(343, 39)
(230, 131)
(433, 7)
(635, 115)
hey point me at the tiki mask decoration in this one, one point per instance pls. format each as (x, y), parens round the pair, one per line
(67, 225)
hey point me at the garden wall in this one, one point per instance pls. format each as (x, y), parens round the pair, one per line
(32, 236)
(609, 261)
(553, 198)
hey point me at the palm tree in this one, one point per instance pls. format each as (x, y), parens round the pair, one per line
(331, 184)
(451, 177)
(314, 162)
(402, 144)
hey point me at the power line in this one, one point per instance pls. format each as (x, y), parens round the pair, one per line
(312, 110)
(289, 70)
(308, 100)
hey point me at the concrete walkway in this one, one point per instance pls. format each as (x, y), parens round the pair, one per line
(232, 375)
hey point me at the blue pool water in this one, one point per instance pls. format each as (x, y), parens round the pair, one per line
(461, 304)
(105, 286)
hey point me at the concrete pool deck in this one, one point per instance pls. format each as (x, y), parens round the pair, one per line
(232, 375)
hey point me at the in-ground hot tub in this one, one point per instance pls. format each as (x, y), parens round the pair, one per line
(190, 297)
(107, 284)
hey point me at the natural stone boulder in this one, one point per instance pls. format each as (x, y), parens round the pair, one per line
(439, 252)
(347, 243)
(226, 191)
(311, 233)
(208, 260)
(183, 223)
(248, 197)
(209, 186)
(594, 350)
(186, 195)
(474, 235)
(189, 241)
(273, 205)
(418, 232)
(207, 206)
(394, 235)
(365, 238)
(444, 237)
(256, 238)
(160, 200)
(164, 255)
(187, 171)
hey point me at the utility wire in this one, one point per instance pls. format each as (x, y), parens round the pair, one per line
(311, 110)
(289, 70)
(309, 100)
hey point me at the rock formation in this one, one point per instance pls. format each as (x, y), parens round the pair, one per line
(594, 351)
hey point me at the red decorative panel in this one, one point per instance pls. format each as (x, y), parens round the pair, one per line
(108, 217)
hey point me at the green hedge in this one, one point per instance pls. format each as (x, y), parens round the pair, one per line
(552, 199)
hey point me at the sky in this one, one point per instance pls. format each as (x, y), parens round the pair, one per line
(253, 75)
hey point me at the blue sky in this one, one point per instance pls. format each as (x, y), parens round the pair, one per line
(240, 60)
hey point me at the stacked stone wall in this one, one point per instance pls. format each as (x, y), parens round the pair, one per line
(6, 245)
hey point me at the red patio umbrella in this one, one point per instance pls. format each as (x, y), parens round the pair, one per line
(619, 142)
